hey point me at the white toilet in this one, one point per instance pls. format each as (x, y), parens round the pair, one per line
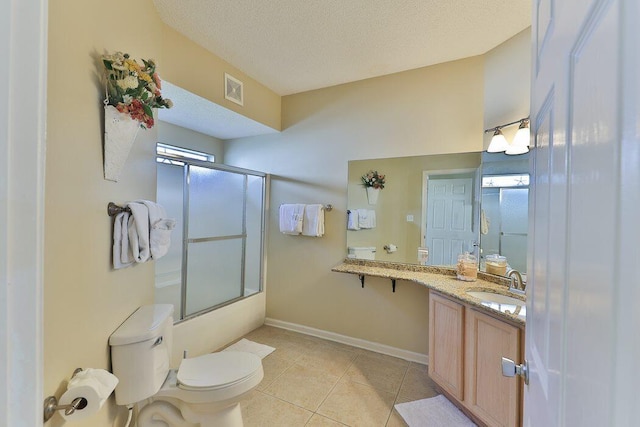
(204, 391)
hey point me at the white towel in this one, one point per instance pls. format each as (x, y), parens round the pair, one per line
(122, 256)
(160, 228)
(291, 218)
(484, 223)
(138, 228)
(353, 220)
(313, 224)
(366, 218)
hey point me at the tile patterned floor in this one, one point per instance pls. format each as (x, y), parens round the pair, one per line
(312, 382)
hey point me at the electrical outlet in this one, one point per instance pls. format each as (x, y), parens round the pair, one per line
(409, 218)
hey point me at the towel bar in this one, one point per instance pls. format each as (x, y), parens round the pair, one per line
(327, 208)
(113, 209)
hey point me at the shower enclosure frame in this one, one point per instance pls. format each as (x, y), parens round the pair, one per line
(186, 164)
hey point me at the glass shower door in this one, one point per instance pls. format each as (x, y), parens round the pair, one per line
(216, 238)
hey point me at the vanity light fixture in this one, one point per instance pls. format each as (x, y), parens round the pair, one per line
(498, 142)
(521, 141)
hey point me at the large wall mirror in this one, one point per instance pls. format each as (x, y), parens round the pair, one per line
(452, 203)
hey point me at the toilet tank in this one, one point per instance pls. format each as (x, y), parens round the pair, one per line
(362, 252)
(141, 352)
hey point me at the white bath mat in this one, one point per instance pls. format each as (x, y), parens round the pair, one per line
(245, 345)
(433, 412)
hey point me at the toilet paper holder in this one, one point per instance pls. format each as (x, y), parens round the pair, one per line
(51, 404)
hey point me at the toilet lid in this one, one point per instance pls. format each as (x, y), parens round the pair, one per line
(217, 370)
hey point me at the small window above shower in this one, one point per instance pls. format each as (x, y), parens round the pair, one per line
(172, 155)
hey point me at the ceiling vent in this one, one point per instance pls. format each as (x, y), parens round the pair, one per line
(233, 89)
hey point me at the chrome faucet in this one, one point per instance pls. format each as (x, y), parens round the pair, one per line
(516, 284)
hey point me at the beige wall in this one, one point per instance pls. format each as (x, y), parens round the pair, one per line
(84, 299)
(193, 68)
(426, 111)
(507, 82)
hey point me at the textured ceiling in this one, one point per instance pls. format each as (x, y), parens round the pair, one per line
(293, 46)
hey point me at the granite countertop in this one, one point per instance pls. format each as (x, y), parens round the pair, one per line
(444, 281)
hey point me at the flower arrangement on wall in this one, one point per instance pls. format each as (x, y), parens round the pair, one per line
(373, 182)
(132, 92)
(133, 89)
(373, 179)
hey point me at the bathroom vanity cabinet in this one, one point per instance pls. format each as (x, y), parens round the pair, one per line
(446, 344)
(465, 350)
(468, 337)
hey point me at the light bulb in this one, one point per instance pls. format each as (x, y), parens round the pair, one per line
(498, 143)
(523, 136)
(516, 149)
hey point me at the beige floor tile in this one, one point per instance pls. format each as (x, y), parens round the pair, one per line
(264, 333)
(384, 357)
(303, 386)
(261, 410)
(320, 421)
(395, 420)
(334, 361)
(420, 366)
(345, 385)
(357, 405)
(416, 385)
(273, 367)
(288, 351)
(267, 334)
(383, 373)
(338, 346)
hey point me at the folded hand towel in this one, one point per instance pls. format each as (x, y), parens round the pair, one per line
(372, 219)
(291, 218)
(353, 220)
(160, 229)
(138, 228)
(366, 218)
(313, 224)
(121, 253)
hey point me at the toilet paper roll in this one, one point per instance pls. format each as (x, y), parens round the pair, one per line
(94, 385)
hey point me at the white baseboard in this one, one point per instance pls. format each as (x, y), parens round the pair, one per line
(355, 342)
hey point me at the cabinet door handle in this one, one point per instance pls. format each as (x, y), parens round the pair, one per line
(511, 369)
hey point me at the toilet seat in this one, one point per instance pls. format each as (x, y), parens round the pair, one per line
(217, 370)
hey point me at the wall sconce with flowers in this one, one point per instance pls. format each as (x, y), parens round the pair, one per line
(132, 92)
(373, 182)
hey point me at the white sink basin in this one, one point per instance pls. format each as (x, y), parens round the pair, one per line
(495, 298)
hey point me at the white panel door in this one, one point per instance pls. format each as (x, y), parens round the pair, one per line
(449, 219)
(23, 77)
(582, 340)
